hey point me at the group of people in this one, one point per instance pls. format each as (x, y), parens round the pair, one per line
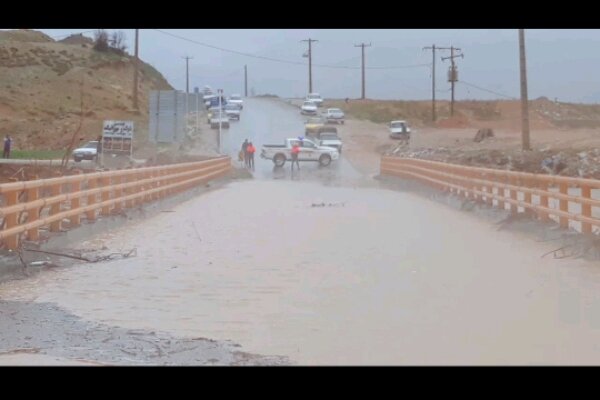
(247, 154)
(7, 146)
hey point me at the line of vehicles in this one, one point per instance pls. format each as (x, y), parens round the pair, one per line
(221, 109)
(321, 142)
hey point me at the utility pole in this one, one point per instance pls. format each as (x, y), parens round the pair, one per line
(453, 74)
(362, 46)
(220, 93)
(433, 48)
(310, 41)
(136, 63)
(245, 81)
(524, 101)
(187, 84)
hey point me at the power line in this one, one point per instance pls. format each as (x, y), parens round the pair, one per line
(487, 90)
(280, 60)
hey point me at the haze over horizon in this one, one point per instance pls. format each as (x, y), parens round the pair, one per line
(560, 63)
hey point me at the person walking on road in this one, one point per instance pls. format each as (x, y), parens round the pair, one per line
(295, 154)
(251, 150)
(245, 151)
(7, 146)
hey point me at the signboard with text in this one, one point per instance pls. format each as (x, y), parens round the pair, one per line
(117, 136)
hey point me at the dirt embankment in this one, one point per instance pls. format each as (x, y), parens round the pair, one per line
(565, 137)
(48, 88)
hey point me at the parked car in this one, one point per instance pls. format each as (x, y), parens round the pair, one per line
(211, 111)
(309, 151)
(236, 99)
(328, 137)
(399, 130)
(233, 111)
(335, 115)
(312, 125)
(309, 108)
(88, 152)
(219, 118)
(316, 98)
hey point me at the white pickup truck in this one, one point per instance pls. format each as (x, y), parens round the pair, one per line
(309, 151)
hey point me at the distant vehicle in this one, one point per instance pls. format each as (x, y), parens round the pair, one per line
(309, 108)
(88, 152)
(312, 125)
(399, 130)
(329, 138)
(237, 100)
(219, 117)
(316, 98)
(210, 113)
(335, 115)
(233, 111)
(214, 101)
(309, 151)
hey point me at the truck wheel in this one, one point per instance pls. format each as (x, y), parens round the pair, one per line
(279, 160)
(325, 160)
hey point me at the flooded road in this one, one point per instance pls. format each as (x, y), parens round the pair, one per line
(322, 268)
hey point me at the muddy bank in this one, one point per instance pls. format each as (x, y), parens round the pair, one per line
(58, 337)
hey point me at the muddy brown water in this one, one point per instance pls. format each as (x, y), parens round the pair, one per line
(372, 277)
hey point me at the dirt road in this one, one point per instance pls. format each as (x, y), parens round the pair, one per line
(318, 268)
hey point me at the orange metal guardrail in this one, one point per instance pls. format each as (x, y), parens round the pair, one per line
(545, 195)
(24, 202)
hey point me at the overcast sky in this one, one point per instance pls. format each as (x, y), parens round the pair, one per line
(562, 64)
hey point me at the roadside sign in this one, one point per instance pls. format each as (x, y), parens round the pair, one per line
(117, 136)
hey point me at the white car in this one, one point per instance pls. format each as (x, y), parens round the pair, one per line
(309, 151)
(309, 108)
(399, 130)
(335, 115)
(88, 152)
(316, 98)
(236, 99)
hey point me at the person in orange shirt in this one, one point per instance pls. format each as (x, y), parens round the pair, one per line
(295, 154)
(251, 150)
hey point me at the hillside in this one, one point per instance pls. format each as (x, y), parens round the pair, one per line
(43, 83)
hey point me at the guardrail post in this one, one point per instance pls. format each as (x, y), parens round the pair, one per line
(527, 195)
(118, 193)
(33, 214)
(129, 178)
(75, 220)
(10, 220)
(513, 195)
(91, 199)
(544, 216)
(563, 188)
(55, 208)
(586, 209)
(138, 189)
(489, 199)
(105, 194)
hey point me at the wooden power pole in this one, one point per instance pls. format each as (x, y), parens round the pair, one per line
(136, 67)
(362, 46)
(310, 41)
(525, 144)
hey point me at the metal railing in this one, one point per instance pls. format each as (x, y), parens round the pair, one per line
(28, 206)
(567, 200)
